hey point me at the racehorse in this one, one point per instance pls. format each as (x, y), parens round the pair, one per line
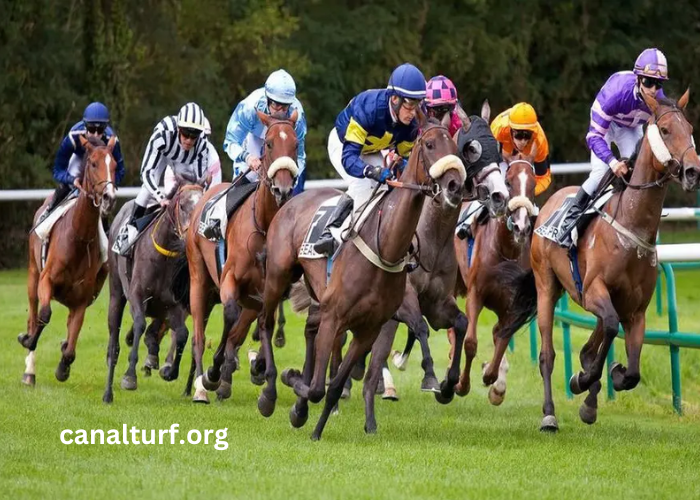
(145, 280)
(498, 240)
(240, 286)
(616, 259)
(74, 271)
(361, 293)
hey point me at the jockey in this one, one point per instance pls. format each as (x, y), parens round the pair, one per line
(214, 164)
(67, 168)
(617, 116)
(518, 131)
(245, 133)
(441, 98)
(374, 120)
(177, 141)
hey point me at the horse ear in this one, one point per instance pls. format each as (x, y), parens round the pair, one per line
(445, 122)
(265, 119)
(683, 101)
(464, 118)
(112, 142)
(86, 144)
(650, 101)
(486, 111)
(294, 117)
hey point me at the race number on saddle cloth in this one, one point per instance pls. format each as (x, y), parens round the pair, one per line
(178, 141)
(245, 133)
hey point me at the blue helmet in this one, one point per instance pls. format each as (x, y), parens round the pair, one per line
(407, 81)
(96, 112)
(280, 87)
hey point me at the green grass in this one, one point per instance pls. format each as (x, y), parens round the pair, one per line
(468, 449)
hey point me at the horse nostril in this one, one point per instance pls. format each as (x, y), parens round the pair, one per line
(453, 186)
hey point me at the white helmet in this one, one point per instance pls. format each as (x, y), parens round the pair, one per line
(191, 116)
(207, 126)
(280, 87)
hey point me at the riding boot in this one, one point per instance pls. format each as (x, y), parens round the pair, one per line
(58, 196)
(463, 230)
(212, 231)
(567, 226)
(128, 232)
(326, 243)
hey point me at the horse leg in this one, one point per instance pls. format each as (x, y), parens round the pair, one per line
(268, 397)
(176, 320)
(495, 371)
(380, 349)
(400, 359)
(299, 413)
(117, 303)
(357, 348)
(200, 312)
(547, 293)
(626, 379)
(460, 324)
(588, 411)
(471, 342)
(37, 323)
(430, 382)
(75, 322)
(193, 365)
(280, 339)
(129, 380)
(232, 311)
(152, 340)
(599, 303)
(29, 376)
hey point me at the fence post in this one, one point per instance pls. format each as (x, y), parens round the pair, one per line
(568, 371)
(672, 329)
(533, 342)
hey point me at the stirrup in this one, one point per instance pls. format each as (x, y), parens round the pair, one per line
(125, 240)
(325, 245)
(462, 231)
(213, 230)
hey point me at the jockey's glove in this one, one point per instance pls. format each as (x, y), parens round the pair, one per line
(379, 174)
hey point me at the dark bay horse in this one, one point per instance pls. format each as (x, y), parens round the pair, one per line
(145, 280)
(240, 286)
(75, 269)
(360, 295)
(617, 259)
(498, 240)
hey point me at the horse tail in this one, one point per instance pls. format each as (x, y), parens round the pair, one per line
(299, 296)
(181, 280)
(523, 303)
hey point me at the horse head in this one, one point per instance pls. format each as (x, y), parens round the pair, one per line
(479, 151)
(184, 196)
(99, 172)
(670, 136)
(280, 168)
(520, 179)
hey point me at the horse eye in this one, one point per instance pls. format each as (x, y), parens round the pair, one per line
(93, 164)
(269, 144)
(664, 130)
(429, 144)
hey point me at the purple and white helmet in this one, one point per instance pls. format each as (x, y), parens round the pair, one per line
(651, 63)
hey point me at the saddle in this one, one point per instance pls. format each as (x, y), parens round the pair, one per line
(551, 227)
(353, 222)
(224, 204)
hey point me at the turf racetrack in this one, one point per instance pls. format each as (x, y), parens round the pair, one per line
(469, 449)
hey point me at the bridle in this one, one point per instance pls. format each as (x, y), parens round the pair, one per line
(175, 224)
(91, 193)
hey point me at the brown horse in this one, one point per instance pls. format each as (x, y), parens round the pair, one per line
(145, 280)
(74, 271)
(360, 295)
(498, 240)
(240, 286)
(617, 259)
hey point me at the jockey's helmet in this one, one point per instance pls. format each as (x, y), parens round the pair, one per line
(651, 63)
(408, 82)
(96, 112)
(522, 116)
(440, 91)
(280, 87)
(191, 117)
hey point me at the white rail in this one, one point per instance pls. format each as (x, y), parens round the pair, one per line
(683, 252)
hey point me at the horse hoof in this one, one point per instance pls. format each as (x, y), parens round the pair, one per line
(298, 419)
(346, 393)
(442, 399)
(22, 339)
(223, 392)
(209, 384)
(400, 361)
(549, 424)
(430, 384)
(288, 375)
(200, 398)
(167, 373)
(588, 415)
(280, 340)
(371, 428)
(146, 371)
(489, 379)
(108, 397)
(390, 394)
(462, 389)
(574, 384)
(62, 374)
(258, 379)
(129, 383)
(29, 379)
(358, 372)
(380, 387)
(266, 406)
(496, 397)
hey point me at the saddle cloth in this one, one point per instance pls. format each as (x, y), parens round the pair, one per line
(43, 230)
(552, 225)
(223, 205)
(320, 218)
